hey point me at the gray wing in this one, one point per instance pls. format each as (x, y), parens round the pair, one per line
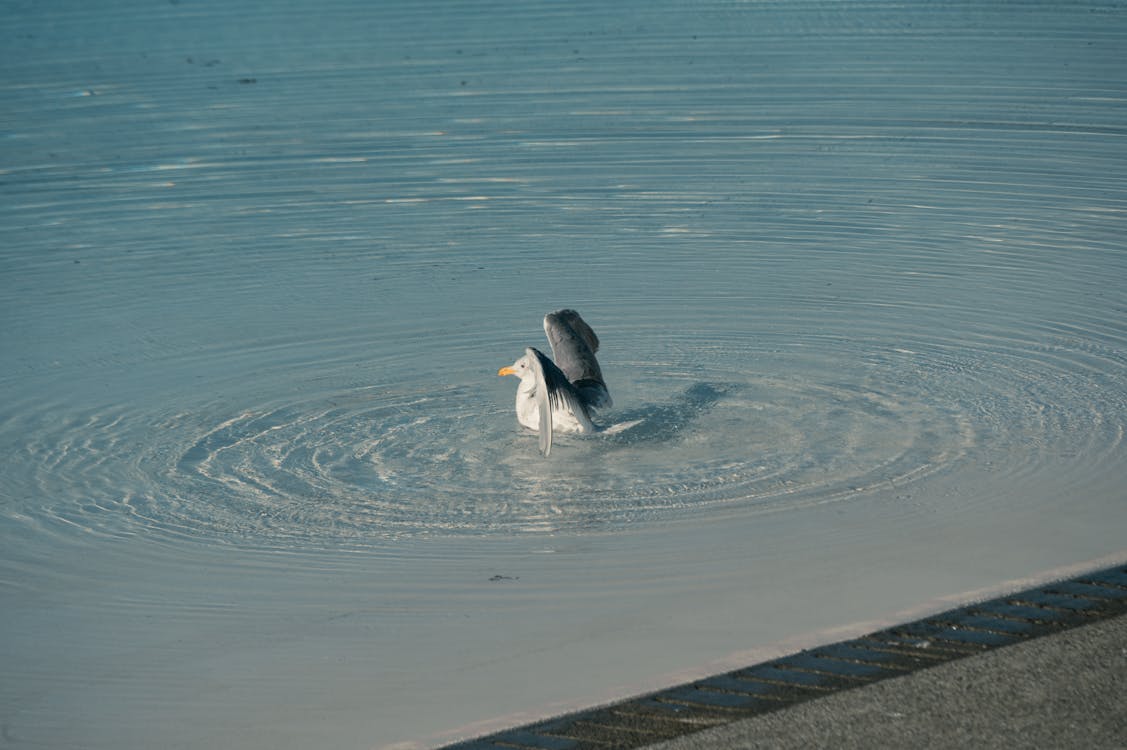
(552, 392)
(573, 347)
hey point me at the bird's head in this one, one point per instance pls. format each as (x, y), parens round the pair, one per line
(522, 368)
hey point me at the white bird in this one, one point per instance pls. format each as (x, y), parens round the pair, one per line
(560, 395)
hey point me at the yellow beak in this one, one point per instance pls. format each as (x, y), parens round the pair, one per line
(506, 371)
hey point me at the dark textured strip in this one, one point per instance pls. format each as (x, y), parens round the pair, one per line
(998, 624)
(738, 685)
(779, 673)
(855, 652)
(522, 739)
(938, 631)
(1113, 576)
(693, 695)
(1055, 601)
(762, 688)
(1091, 590)
(818, 662)
(1023, 613)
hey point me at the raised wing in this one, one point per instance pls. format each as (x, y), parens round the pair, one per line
(573, 347)
(553, 391)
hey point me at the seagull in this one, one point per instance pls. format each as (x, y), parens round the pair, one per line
(560, 395)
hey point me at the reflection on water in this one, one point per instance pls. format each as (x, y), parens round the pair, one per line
(856, 269)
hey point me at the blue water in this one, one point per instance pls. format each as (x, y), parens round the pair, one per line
(859, 268)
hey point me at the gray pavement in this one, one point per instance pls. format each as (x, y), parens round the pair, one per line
(1065, 690)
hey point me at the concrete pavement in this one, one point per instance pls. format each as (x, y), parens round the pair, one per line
(1067, 690)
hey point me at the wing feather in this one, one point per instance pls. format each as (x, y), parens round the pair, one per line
(573, 347)
(543, 398)
(553, 391)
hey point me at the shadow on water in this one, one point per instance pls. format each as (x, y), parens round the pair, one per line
(662, 423)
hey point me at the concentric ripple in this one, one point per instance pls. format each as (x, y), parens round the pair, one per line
(360, 465)
(366, 464)
(355, 467)
(800, 304)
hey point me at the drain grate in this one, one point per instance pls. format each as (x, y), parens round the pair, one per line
(767, 687)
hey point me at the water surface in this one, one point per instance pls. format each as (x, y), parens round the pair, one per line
(858, 268)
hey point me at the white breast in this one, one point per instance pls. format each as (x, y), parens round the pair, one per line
(563, 420)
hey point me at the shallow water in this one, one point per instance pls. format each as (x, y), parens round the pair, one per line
(858, 268)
